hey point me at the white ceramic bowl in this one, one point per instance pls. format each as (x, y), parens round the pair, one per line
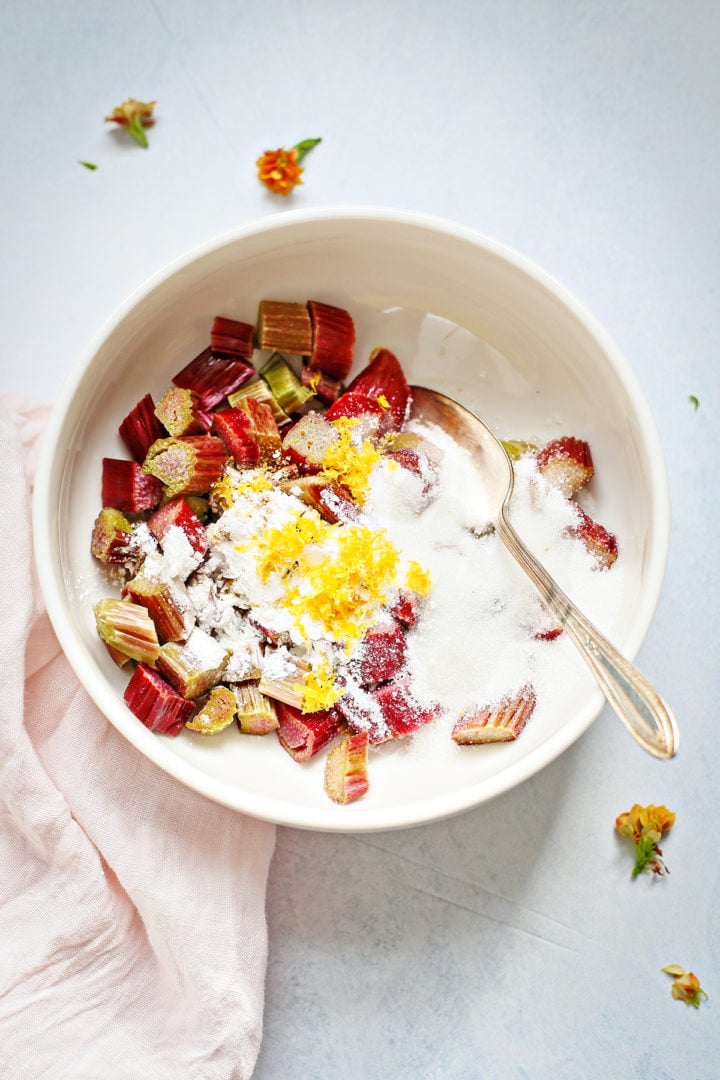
(527, 356)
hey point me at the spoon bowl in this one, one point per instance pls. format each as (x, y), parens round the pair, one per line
(637, 704)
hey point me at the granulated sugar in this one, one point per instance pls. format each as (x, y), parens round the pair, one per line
(475, 641)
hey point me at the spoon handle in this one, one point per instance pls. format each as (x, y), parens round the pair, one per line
(637, 704)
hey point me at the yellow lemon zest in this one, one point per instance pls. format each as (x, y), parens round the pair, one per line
(349, 463)
(338, 588)
(418, 578)
(319, 688)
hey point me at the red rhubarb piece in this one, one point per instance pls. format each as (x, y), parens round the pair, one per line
(366, 410)
(307, 442)
(402, 711)
(361, 711)
(304, 734)
(234, 428)
(597, 539)
(380, 655)
(333, 339)
(229, 337)
(155, 703)
(566, 463)
(178, 512)
(495, 723)
(324, 387)
(212, 377)
(263, 428)
(406, 607)
(126, 487)
(141, 428)
(284, 326)
(346, 769)
(384, 379)
(111, 535)
(418, 463)
(330, 498)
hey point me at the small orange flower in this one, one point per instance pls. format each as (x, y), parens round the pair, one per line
(279, 170)
(645, 825)
(686, 986)
(135, 116)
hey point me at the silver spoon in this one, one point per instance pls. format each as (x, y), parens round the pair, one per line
(639, 706)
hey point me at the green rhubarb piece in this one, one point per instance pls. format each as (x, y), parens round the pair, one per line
(193, 668)
(177, 412)
(128, 629)
(217, 713)
(261, 392)
(188, 465)
(110, 536)
(284, 384)
(256, 713)
(163, 602)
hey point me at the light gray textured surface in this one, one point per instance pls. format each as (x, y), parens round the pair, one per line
(509, 941)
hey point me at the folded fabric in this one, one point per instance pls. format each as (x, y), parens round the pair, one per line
(132, 910)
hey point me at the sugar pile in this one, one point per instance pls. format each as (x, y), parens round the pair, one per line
(476, 640)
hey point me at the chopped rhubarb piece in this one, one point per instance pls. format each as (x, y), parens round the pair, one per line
(333, 339)
(120, 658)
(244, 663)
(406, 607)
(126, 487)
(260, 391)
(324, 387)
(597, 539)
(141, 428)
(187, 466)
(164, 603)
(418, 463)
(304, 734)
(383, 379)
(264, 429)
(346, 769)
(256, 713)
(195, 667)
(566, 464)
(110, 536)
(217, 713)
(307, 442)
(402, 712)
(284, 327)
(284, 384)
(155, 703)
(234, 428)
(361, 711)
(495, 723)
(228, 337)
(180, 414)
(368, 411)
(178, 512)
(127, 628)
(330, 498)
(212, 377)
(380, 655)
(283, 677)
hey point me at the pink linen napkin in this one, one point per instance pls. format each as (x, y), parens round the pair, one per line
(133, 938)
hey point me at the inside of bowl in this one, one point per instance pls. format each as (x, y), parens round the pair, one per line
(463, 316)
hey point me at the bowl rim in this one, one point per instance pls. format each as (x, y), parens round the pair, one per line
(260, 806)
